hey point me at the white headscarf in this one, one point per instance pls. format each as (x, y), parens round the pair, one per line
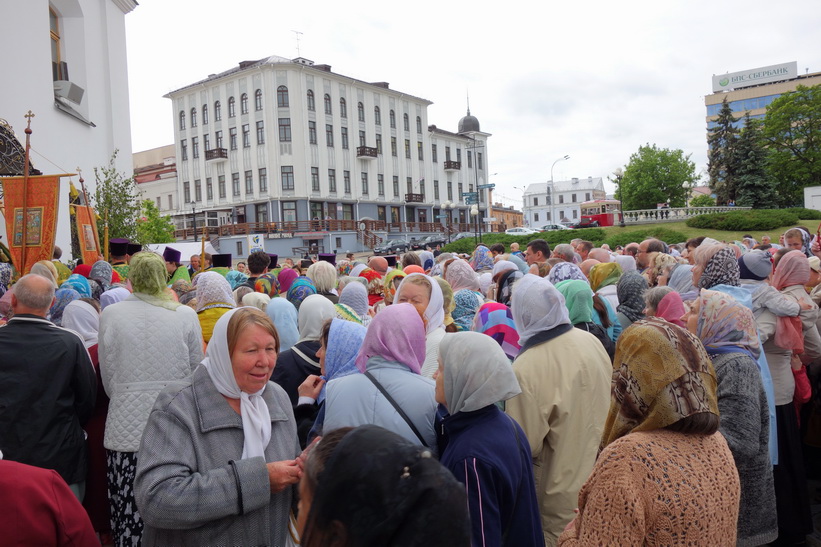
(313, 312)
(461, 276)
(112, 296)
(213, 291)
(485, 281)
(435, 312)
(537, 306)
(257, 300)
(477, 373)
(503, 266)
(256, 418)
(358, 269)
(82, 318)
(627, 262)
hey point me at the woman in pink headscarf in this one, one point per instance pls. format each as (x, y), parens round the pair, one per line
(286, 278)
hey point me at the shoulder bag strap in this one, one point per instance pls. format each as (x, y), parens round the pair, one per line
(398, 409)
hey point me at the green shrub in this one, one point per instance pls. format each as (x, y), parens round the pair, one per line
(553, 238)
(805, 214)
(623, 238)
(702, 200)
(739, 221)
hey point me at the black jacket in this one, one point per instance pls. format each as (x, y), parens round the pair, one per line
(292, 369)
(47, 393)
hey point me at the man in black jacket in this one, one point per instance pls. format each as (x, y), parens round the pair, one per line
(47, 387)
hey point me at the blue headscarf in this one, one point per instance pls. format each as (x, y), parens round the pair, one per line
(62, 298)
(466, 303)
(301, 289)
(79, 284)
(236, 278)
(482, 260)
(284, 316)
(344, 341)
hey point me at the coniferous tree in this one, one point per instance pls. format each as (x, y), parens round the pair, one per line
(721, 165)
(754, 188)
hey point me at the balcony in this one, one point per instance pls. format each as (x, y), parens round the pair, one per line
(366, 152)
(453, 165)
(219, 154)
(415, 198)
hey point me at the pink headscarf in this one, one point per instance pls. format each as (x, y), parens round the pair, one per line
(671, 309)
(793, 269)
(396, 334)
(461, 276)
(286, 278)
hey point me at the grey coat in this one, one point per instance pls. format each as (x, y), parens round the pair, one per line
(188, 493)
(745, 424)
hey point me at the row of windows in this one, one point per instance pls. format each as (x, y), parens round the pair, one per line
(743, 105)
(561, 216)
(573, 198)
(738, 123)
(243, 101)
(262, 178)
(232, 140)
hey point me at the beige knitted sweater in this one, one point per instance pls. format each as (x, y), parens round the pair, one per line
(659, 488)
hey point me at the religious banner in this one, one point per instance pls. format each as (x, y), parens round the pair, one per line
(39, 222)
(86, 219)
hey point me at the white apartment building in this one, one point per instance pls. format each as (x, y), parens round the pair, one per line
(539, 209)
(155, 174)
(282, 139)
(65, 60)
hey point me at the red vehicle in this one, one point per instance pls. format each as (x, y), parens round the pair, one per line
(600, 212)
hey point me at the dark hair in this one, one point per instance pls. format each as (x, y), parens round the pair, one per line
(694, 242)
(497, 248)
(325, 333)
(586, 245)
(540, 245)
(779, 254)
(601, 309)
(320, 453)
(703, 423)
(763, 246)
(410, 258)
(656, 246)
(58, 253)
(257, 262)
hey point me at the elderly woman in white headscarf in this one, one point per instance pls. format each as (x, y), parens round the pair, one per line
(484, 449)
(218, 456)
(425, 295)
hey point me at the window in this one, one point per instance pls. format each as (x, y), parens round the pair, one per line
(343, 108)
(197, 190)
(360, 110)
(461, 189)
(329, 135)
(377, 116)
(249, 182)
(243, 103)
(258, 99)
(433, 156)
(347, 211)
(231, 107)
(193, 117)
(285, 130)
(470, 160)
(393, 147)
(409, 184)
(447, 153)
(235, 183)
(239, 248)
(311, 102)
(217, 111)
(205, 114)
(186, 191)
(364, 184)
(261, 212)
(435, 189)
(232, 138)
(184, 150)
(195, 147)
(282, 96)
(315, 179)
(312, 132)
(419, 152)
(380, 185)
(221, 184)
(327, 102)
(479, 160)
(535, 201)
(289, 211)
(450, 190)
(587, 196)
(182, 120)
(561, 198)
(263, 179)
(406, 122)
(459, 155)
(218, 138)
(206, 141)
(287, 177)
(170, 201)
(378, 143)
(246, 135)
(346, 181)
(332, 181)
(59, 69)
(209, 189)
(419, 125)
(535, 217)
(422, 188)
(395, 186)
(573, 198)
(260, 132)
(159, 203)
(575, 213)
(361, 138)
(407, 148)
(393, 119)
(344, 138)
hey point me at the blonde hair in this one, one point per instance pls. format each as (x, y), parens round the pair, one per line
(244, 318)
(323, 274)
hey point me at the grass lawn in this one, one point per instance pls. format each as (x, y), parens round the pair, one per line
(720, 235)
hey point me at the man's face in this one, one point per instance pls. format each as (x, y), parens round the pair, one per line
(641, 255)
(766, 240)
(582, 252)
(532, 257)
(195, 262)
(170, 267)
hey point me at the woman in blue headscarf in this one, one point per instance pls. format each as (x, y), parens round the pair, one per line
(79, 284)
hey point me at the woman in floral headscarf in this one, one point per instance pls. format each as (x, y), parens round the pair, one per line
(301, 288)
(482, 260)
(374, 285)
(630, 290)
(235, 278)
(564, 271)
(496, 321)
(62, 298)
(267, 284)
(603, 280)
(79, 284)
(390, 283)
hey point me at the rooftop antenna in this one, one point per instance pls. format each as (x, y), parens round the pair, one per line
(467, 91)
(297, 34)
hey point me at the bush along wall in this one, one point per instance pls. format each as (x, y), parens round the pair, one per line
(756, 219)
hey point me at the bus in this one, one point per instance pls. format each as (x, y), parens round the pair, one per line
(605, 212)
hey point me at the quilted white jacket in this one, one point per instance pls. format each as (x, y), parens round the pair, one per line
(142, 348)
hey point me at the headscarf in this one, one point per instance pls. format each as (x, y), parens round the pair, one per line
(357, 269)
(267, 284)
(447, 300)
(630, 290)
(79, 284)
(396, 334)
(578, 297)
(502, 266)
(564, 271)
(344, 342)
(213, 291)
(466, 302)
(5, 277)
(413, 268)
(355, 295)
(102, 273)
(257, 300)
(537, 307)
(147, 275)
(387, 282)
(62, 298)
(235, 278)
(461, 276)
(627, 263)
(726, 326)
(671, 309)
(435, 312)
(504, 285)
(426, 257)
(661, 374)
(286, 277)
(681, 279)
(314, 311)
(793, 269)
(374, 279)
(256, 418)
(5, 303)
(346, 313)
(496, 320)
(82, 269)
(46, 269)
(521, 264)
(301, 288)
(718, 264)
(97, 289)
(112, 296)
(476, 372)
(344, 268)
(482, 259)
(82, 318)
(484, 283)
(284, 316)
(806, 242)
(603, 275)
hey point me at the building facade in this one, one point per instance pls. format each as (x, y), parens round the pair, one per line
(287, 140)
(155, 174)
(559, 201)
(504, 217)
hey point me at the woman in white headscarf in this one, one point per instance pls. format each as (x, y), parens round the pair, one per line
(426, 296)
(113, 295)
(214, 299)
(218, 456)
(484, 449)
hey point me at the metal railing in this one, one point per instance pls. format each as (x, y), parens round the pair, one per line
(674, 214)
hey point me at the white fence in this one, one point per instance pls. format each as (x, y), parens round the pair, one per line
(675, 214)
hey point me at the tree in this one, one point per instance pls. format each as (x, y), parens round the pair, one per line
(117, 197)
(721, 156)
(702, 200)
(153, 227)
(754, 187)
(792, 131)
(657, 175)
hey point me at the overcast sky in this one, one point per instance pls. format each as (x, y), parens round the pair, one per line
(592, 79)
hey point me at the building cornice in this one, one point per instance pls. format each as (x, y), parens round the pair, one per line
(126, 6)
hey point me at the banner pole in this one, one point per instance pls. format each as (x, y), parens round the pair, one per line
(24, 241)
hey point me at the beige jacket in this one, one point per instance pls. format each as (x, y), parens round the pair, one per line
(562, 409)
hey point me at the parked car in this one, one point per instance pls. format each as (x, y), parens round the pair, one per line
(462, 235)
(520, 231)
(392, 246)
(427, 241)
(584, 223)
(552, 227)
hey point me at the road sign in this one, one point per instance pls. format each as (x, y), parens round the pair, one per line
(471, 201)
(469, 195)
(441, 216)
(489, 219)
(486, 186)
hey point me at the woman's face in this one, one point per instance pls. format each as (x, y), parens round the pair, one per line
(648, 311)
(320, 354)
(794, 243)
(439, 377)
(415, 295)
(691, 317)
(254, 358)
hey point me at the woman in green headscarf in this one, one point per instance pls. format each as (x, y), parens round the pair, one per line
(578, 298)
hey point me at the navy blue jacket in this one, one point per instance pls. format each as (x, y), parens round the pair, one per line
(488, 452)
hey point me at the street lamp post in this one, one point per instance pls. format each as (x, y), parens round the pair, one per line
(619, 174)
(474, 212)
(194, 220)
(448, 206)
(552, 188)
(525, 221)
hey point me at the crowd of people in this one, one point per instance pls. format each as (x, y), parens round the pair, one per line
(653, 394)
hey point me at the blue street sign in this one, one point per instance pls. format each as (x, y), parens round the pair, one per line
(486, 186)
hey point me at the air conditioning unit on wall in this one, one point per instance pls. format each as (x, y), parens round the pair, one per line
(69, 91)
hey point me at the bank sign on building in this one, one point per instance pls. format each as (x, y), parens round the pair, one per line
(755, 76)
